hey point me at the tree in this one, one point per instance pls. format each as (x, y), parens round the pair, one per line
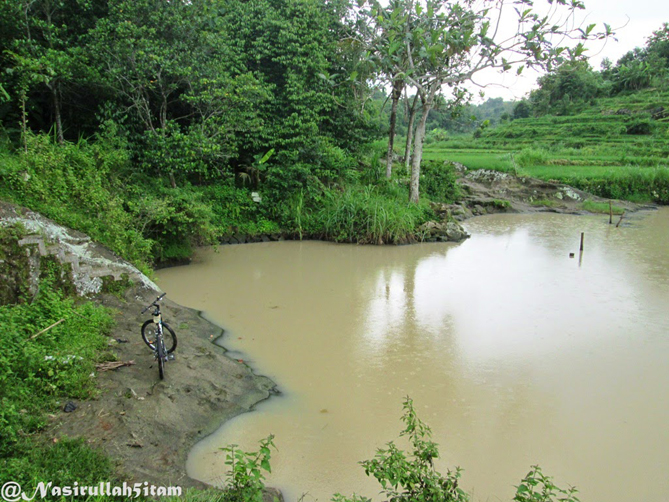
(642, 67)
(450, 42)
(42, 53)
(410, 131)
(390, 29)
(568, 86)
(522, 109)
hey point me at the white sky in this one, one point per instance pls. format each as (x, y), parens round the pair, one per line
(639, 18)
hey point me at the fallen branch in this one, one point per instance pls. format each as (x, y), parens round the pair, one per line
(46, 329)
(112, 365)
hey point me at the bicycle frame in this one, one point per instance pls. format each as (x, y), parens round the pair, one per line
(161, 353)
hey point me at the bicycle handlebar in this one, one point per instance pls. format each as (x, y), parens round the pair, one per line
(155, 302)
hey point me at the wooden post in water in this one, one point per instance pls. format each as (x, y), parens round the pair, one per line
(582, 236)
(610, 213)
(620, 220)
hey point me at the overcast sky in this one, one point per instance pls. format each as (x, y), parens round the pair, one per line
(639, 18)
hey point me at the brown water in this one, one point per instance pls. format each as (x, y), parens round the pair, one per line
(514, 354)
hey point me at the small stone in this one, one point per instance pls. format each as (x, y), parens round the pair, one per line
(69, 407)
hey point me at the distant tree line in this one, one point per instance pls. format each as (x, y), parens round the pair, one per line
(576, 84)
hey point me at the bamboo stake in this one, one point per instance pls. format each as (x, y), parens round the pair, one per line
(621, 219)
(582, 236)
(46, 329)
(610, 213)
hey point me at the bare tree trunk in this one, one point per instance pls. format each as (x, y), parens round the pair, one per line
(428, 102)
(397, 94)
(56, 111)
(418, 155)
(412, 119)
(24, 122)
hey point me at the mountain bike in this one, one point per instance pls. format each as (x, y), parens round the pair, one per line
(159, 336)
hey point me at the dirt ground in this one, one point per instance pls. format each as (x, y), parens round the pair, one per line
(149, 425)
(486, 192)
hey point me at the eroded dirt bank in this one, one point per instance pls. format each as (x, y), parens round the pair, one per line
(485, 192)
(149, 425)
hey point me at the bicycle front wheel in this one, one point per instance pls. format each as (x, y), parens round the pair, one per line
(149, 331)
(161, 360)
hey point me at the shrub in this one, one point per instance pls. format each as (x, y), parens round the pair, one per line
(640, 126)
(71, 183)
(411, 476)
(245, 478)
(529, 157)
(438, 181)
(38, 371)
(537, 487)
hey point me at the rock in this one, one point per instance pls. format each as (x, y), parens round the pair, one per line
(442, 232)
(486, 176)
(69, 407)
(81, 263)
(569, 192)
(457, 210)
(264, 238)
(455, 232)
(272, 495)
(659, 113)
(460, 168)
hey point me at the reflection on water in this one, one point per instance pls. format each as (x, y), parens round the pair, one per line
(514, 354)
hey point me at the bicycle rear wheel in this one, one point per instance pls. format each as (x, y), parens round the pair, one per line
(149, 332)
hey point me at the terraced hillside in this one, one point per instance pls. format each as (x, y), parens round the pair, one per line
(616, 147)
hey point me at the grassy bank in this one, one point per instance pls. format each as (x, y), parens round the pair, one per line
(94, 187)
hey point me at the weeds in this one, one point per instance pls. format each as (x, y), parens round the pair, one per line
(537, 487)
(600, 207)
(245, 479)
(544, 203)
(37, 374)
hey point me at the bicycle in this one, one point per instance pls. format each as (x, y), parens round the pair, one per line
(159, 336)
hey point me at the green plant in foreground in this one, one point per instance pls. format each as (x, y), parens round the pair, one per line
(245, 479)
(537, 487)
(412, 477)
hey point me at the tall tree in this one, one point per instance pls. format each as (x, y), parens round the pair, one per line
(452, 41)
(411, 113)
(42, 51)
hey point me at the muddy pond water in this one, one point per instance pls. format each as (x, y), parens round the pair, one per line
(514, 354)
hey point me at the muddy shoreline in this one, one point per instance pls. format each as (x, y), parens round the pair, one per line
(147, 425)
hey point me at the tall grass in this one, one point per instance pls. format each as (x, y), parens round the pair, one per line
(631, 183)
(368, 215)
